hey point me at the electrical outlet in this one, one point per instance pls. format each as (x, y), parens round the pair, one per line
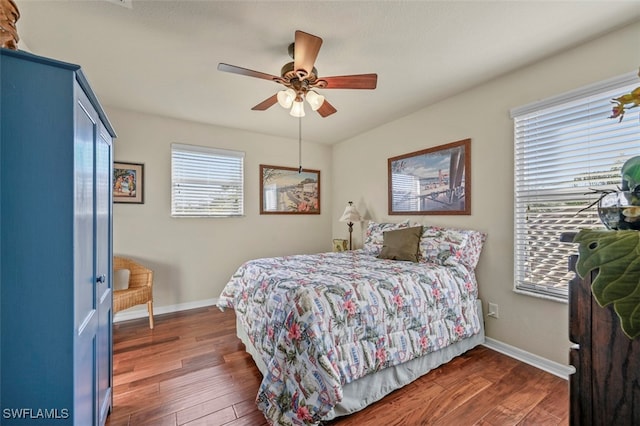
(493, 310)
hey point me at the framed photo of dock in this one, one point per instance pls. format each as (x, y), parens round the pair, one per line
(288, 190)
(433, 181)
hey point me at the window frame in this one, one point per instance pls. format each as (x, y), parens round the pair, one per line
(522, 243)
(206, 176)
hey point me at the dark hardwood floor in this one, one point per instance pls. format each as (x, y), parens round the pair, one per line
(192, 370)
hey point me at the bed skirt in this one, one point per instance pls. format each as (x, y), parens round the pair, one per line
(373, 387)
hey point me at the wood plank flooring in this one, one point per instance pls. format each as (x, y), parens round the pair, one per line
(191, 369)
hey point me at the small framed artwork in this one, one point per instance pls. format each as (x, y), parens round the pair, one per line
(339, 245)
(285, 190)
(128, 183)
(434, 181)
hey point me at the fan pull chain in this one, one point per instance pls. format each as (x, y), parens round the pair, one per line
(299, 144)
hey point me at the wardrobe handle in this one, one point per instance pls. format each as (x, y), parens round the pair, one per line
(101, 279)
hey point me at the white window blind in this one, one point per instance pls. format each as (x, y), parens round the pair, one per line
(206, 182)
(564, 147)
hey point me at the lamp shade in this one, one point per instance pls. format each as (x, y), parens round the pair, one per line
(350, 214)
(286, 97)
(314, 99)
(297, 110)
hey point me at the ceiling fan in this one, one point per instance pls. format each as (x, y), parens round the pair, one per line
(300, 77)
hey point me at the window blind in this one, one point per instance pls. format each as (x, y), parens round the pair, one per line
(565, 148)
(206, 182)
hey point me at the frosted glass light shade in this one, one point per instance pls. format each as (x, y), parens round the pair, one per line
(286, 98)
(297, 110)
(315, 100)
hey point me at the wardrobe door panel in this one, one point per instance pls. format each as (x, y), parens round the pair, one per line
(85, 280)
(104, 269)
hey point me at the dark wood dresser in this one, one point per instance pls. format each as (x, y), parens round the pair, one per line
(605, 389)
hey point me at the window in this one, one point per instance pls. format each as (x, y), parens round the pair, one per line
(206, 182)
(565, 147)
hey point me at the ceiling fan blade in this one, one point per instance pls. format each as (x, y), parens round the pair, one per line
(326, 109)
(306, 48)
(266, 103)
(359, 81)
(244, 71)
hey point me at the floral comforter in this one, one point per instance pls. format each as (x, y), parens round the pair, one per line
(321, 321)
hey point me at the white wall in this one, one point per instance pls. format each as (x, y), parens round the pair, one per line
(193, 258)
(482, 114)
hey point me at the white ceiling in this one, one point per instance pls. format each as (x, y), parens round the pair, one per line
(160, 56)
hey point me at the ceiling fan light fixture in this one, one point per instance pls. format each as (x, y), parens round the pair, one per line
(297, 110)
(286, 98)
(314, 99)
(300, 76)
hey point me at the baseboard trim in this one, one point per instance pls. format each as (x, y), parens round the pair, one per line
(141, 312)
(557, 369)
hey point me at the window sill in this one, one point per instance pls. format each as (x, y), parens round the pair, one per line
(557, 299)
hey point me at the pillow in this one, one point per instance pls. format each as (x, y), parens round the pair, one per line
(446, 246)
(374, 236)
(401, 244)
(121, 279)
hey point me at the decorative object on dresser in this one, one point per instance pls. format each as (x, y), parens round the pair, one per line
(615, 256)
(339, 245)
(128, 183)
(288, 190)
(350, 216)
(619, 209)
(56, 245)
(625, 102)
(604, 388)
(9, 15)
(431, 181)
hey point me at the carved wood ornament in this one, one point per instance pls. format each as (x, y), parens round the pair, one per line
(9, 15)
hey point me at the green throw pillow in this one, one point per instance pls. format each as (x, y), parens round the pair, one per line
(401, 244)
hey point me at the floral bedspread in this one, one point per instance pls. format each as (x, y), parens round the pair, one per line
(321, 321)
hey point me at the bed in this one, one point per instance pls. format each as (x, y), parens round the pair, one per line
(333, 332)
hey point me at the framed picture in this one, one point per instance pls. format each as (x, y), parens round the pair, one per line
(284, 190)
(432, 181)
(128, 183)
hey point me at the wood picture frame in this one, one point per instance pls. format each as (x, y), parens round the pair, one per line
(285, 190)
(128, 183)
(433, 181)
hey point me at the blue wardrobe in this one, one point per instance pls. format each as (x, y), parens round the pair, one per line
(55, 246)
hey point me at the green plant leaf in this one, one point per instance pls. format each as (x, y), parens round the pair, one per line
(616, 255)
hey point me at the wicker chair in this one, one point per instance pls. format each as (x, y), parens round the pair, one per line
(140, 288)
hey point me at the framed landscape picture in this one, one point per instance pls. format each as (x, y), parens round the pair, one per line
(434, 181)
(128, 183)
(284, 190)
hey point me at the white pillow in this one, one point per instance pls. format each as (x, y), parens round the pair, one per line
(450, 245)
(121, 279)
